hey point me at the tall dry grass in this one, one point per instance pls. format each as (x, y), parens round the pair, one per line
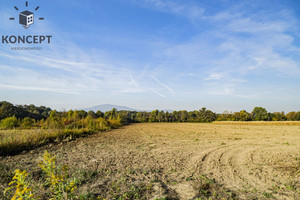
(263, 123)
(14, 141)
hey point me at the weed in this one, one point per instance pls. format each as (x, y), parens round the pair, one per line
(189, 178)
(209, 189)
(135, 192)
(267, 195)
(61, 186)
(20, 184)
(57, 180)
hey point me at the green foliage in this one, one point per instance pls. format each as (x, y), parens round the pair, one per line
(261, 114)
(278, 116)
(293, 116)
(77, 119)
(242, 116)
(115, 122)
(8, 110)
(27, 123)
(206, 115)
(9, 123)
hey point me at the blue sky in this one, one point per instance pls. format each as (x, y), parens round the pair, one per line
(156, 54)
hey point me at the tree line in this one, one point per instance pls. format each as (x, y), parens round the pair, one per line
(28, 116)
(21, 111)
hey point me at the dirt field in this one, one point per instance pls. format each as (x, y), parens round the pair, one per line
(180, 161)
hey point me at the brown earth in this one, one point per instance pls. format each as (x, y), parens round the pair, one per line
(238, 161)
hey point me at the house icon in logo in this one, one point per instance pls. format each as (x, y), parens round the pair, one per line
(26, 18)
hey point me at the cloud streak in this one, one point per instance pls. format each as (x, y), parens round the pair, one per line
(189, 10)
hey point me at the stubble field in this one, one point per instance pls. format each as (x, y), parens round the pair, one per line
(178, 161)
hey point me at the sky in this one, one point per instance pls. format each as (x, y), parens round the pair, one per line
(155, 54)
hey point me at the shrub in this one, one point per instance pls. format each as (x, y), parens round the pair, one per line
(115, 122)
(27, 123)
(9, 123)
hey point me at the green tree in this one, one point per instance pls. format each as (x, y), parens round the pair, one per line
(160, 116)
(206, 115)
(99, 114)
(27, 122)
(92, 114)
(293, 116)
(278, 116)
(153, 116)
(260, 114)
(243, 115)
(183, 115)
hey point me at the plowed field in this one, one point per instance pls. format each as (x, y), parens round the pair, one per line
(181, 161)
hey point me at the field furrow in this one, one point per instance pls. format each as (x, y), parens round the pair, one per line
(181, 161)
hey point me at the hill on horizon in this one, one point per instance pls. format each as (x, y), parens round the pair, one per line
(108, 107)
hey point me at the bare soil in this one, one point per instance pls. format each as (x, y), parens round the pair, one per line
(179, 161)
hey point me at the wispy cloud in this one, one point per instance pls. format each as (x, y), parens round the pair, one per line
(215, 76)
(186, 9)
(230, 53)
(67, 76)
(158, 93)
(32, 88)
(163, 84)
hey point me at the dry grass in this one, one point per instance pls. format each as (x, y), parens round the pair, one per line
(14, 141)
(179, 161)
(262, 123)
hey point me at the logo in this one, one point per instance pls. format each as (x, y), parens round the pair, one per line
(26, 18)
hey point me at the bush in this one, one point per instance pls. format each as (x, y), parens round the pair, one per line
(115, 123)
(27, 123)
(9, 123)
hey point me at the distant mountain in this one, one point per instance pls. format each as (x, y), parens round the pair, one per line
(108, 107)
(168, 110)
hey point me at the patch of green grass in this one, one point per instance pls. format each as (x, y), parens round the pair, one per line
(173, 170)
(267, 195)
(210, 189)
(135, 192)
(85, 176)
